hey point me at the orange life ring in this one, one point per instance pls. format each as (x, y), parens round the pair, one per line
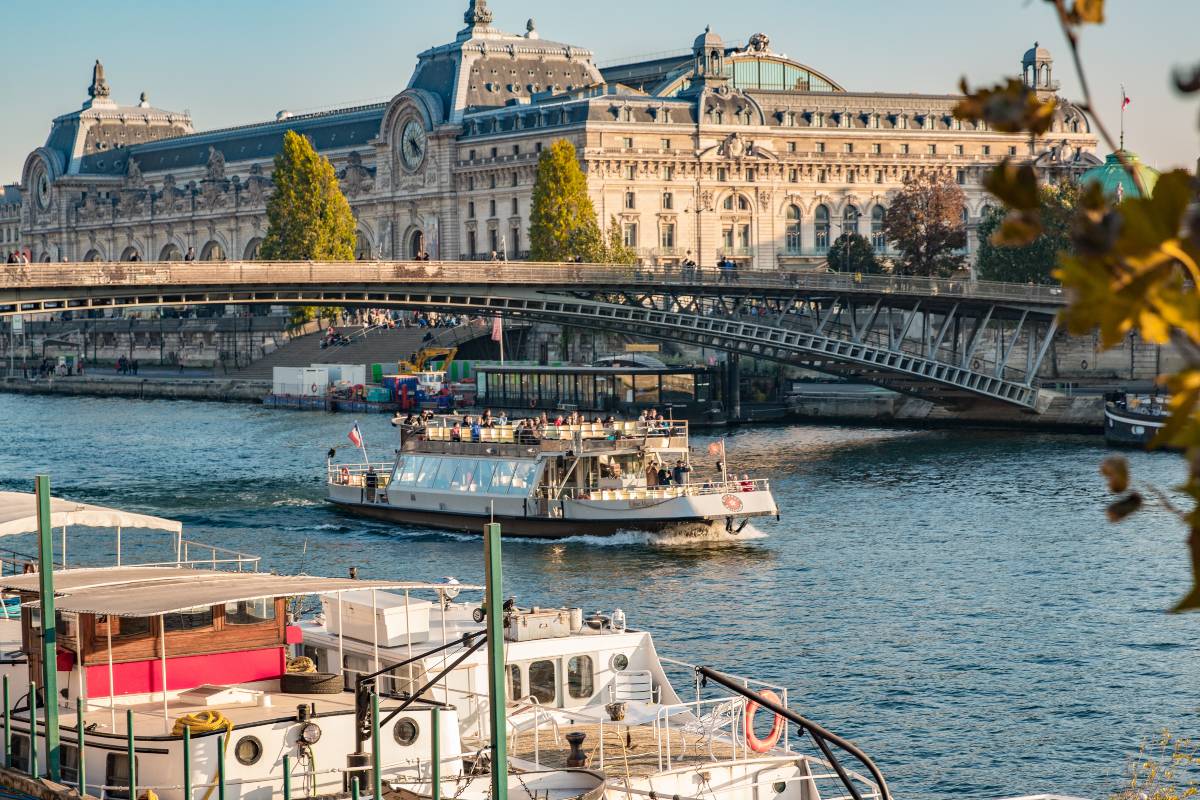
(345, 476)
(752, 741)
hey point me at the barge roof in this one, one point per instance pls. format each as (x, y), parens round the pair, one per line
(18, 514)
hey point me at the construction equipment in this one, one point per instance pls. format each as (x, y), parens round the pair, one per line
(424, 360)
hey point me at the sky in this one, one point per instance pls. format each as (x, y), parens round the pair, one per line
(230, 62)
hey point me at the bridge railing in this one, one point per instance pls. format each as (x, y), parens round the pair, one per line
(164, 276)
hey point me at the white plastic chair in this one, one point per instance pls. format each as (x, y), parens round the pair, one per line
(634, 686)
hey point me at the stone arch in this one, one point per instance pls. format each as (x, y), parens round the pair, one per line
(213, 250)
(45, 257)
(129, 252)
(93, 255)
(170, 252)
(416, 243)
(363, 248)
(253, 248)
(737, 201)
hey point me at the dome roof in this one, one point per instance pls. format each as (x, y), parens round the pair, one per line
(1036, 53)
(1115, 180)
(707, 39)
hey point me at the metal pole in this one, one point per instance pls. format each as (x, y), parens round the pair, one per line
(353, 787)
(435, 756)
(7, 727)
(376, 750)
(287, 779)
(33, 746)
(187, 763)
(49, 632)
(220, 768)
(79, 735)
(162, 634)
(494, 603)
(131, 754)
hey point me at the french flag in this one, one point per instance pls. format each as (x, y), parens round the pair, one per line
(356, 436)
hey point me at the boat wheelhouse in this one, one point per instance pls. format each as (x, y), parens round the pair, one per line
(1133, 421)
(548, 480)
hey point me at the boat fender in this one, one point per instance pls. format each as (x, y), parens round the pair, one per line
(345, 475)
(752, 741)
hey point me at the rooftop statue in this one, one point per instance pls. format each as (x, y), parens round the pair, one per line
(99, 87)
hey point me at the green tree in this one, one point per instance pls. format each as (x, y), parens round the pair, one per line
(925, 224)
(851, 252)
(308, 217)
(562, 221)
(1036, 261)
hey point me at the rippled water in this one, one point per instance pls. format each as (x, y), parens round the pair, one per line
(952, 601)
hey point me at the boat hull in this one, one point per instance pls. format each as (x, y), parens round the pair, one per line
(526, 527)
(1130, 429)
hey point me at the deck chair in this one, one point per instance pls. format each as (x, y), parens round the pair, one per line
(633, 685)
(722, 716)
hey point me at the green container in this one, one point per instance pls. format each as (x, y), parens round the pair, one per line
(376, 373)
(379, 394)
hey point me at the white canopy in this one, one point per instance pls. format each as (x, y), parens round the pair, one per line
(18, 514)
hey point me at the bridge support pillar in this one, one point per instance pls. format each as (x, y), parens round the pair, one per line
(733, 377)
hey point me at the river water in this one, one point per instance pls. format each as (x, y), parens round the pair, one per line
(953, 601)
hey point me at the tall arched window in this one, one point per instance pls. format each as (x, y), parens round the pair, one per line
(850, 219)
(793, 229)
(821, 228)
(878, 241)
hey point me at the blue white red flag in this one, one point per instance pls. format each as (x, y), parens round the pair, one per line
(356, 436)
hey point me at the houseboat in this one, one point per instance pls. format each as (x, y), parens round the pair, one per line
(1133, 421)
(548, 480)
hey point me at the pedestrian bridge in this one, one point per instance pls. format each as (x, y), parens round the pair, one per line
(952, 341)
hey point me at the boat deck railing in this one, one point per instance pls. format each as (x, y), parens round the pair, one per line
(659, 493)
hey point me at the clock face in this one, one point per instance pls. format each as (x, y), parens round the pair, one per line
(43, 191)
(413, 144)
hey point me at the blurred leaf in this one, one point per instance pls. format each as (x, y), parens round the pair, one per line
(1115, 470)
(1018, 229)
(1015, 186)
(1148, 222)
(1010, 107)
(1122, 508)
(1087, 11)
(1188, 83)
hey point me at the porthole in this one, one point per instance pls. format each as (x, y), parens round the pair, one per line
(620, 662)
(248, 750)
(779, 786)
(406, 731)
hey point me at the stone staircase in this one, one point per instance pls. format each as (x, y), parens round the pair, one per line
(377, 347)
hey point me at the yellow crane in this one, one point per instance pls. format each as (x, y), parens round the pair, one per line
(426, 357)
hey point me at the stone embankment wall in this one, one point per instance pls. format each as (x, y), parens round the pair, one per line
(231, 342)
(1084, 413)
(216, 390)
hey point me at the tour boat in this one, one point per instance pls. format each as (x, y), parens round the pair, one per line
(587, 690)
(547, 481)
(1132, 421)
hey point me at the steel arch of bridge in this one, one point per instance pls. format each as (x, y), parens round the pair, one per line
(948, 340)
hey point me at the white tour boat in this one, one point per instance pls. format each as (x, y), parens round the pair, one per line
(547, 481)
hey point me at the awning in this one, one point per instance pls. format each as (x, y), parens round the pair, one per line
(18, 514)
(151, 591)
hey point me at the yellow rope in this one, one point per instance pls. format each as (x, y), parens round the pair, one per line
(302, 664)
(205, 722)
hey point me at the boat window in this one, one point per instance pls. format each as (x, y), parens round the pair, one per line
(543, 682)
(406, 473)
(579, 677)
(129, 627)
(250, 612)
(445, 474)
(486, 470)
(188, 619)
(522, 479)
(428, 471)
(514, 681)
(116, 774)
(20, 752)
(69, 754)
(502, 478)
(465, 476)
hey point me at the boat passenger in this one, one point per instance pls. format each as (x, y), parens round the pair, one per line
(664, 476)
(747, 484)
(476, 430)
(651, 476)
(680, 473)
(456, 433)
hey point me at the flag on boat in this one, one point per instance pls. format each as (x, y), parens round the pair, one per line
(356, 436)
(1125, 101)
(497, 329)
(717, 448)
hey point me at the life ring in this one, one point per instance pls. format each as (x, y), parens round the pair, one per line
(345, 474)
(752, 741)
(314, 388)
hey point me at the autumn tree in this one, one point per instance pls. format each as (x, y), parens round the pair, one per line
(851, 252)
(308, 217)
(925, 224)
(562, 220)
(1034, 262)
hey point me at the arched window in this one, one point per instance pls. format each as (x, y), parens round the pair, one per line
(255, 245)
(878, 241)
(728, 204)
(129, 252)
(212, 252)
(793, 230)
(821, 228)
(736, 201)
(170, 252)
(850, 219)
(93, 255)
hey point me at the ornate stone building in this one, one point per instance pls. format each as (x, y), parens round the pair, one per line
(722, 149)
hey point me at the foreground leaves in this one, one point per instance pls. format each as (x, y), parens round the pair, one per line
(1009, 107)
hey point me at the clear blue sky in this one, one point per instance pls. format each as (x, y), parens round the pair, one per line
(236, 61)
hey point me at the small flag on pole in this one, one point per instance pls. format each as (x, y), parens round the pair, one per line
(497, 329)
(1125, 101)
(716, 448)
(356, 436)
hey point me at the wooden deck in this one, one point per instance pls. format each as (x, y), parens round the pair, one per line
(628, 752)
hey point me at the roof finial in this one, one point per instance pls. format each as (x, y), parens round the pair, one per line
(531, 29)
(99, 87)
(478, 14)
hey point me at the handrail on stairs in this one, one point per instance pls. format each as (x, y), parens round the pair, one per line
(820, 736)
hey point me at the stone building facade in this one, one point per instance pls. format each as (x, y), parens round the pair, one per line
(719, 150)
